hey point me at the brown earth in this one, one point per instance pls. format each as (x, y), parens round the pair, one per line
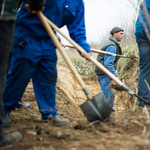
(127, 129)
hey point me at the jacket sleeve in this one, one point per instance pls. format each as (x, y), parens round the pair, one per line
(109, 60)
(76, 28)
(36, 4)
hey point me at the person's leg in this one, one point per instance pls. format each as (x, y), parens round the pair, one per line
(5, 48)
(20, 104)
(17, 80)
(108, 90)
(144, 75)
(44, 83)
(23, 65)
(6, 40)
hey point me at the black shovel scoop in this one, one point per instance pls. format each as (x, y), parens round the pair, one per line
(100, 103)
(95, 108)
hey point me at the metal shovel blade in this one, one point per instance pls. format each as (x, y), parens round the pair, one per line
(102, 105)
(90, 111)
(97, 108)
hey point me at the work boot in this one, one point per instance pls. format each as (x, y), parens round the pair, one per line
(7, 121)
(10, 138)
(21, 104)
(60, 122)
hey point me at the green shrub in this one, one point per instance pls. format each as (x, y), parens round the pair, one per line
(125, 64)
(83, 67)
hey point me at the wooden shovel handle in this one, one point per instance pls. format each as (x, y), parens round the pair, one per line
(79, 48)
(102, 52)
(93, 50)
(65, 56)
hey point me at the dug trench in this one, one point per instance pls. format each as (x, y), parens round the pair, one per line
(128, 128)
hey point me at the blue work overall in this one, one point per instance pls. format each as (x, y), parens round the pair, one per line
(34, 55)
(32, 58)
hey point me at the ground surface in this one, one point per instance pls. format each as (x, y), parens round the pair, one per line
(127, 129)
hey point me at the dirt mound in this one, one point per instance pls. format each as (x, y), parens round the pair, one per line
(69, 86)
(70, 92)
(127, 128)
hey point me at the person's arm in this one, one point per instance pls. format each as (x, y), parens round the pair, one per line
(77, 30)
(36, 4)
(109, 60)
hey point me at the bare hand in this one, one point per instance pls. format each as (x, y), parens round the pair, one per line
(31, 10)
(86, 55)
(63, 45)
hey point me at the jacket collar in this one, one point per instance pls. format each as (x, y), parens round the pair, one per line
(114, 40)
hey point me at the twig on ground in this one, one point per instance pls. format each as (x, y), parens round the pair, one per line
(15, 116)
(135, 99)
(97, 121)
(140, 124)
(145, 112)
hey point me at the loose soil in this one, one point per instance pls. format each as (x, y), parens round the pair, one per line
(127, 129)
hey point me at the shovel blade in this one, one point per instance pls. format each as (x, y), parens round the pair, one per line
(90, 111)
(96, 109)
(102, 105)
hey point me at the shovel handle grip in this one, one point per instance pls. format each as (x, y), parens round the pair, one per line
(58, 45)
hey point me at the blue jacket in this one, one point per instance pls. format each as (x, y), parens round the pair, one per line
(109, 60)
(139, 31)
(60, 12)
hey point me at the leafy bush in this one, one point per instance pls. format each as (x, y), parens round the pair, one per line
(83, 67)
(125, 64)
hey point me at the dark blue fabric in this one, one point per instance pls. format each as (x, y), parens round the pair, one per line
(139, 31)
(104, 81)
(37, 61)
(144, 53)
(36, 58)
(60, 12)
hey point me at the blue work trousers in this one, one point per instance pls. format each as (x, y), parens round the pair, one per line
(144, 75)
(104, 81)
(32, 58)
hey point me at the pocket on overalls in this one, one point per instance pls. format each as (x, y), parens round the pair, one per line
(24, 45)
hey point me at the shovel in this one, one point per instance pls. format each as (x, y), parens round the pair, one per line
(106, 53)
(96, 107)
(99, 65)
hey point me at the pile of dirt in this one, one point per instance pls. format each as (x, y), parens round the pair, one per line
(127, 128)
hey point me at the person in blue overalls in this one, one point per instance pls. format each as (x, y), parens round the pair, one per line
(34, 55)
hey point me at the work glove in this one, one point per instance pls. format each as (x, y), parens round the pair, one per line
(36, 4)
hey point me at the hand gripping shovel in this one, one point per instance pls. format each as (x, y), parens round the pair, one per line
(95, 108)
(99, 65)
(106, 53)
